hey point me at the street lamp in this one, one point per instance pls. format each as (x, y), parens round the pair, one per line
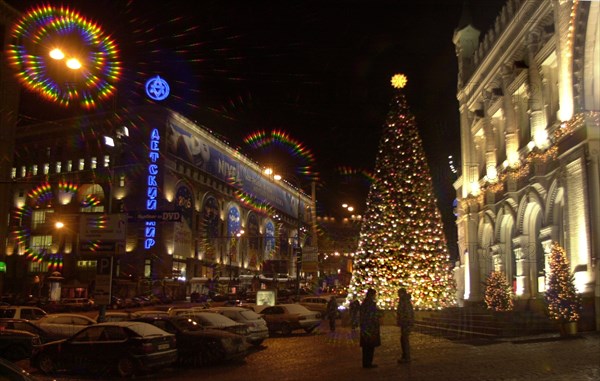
(72, 63)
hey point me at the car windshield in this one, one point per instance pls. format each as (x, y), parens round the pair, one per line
(145, 329)
(215, 319)
(250, 315)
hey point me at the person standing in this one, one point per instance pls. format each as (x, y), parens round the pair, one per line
(354, 313)
(332, 311)
(369, 329)
(405, 319)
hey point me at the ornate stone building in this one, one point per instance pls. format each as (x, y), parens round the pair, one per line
(529, 99)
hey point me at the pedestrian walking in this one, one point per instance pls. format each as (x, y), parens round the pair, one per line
(369, 329)
(354, 313)
(332, 311)
(405, 319)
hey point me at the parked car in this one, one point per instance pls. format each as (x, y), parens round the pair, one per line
(315, 303)
(17, 345)
(257, 326)
(197, 345)
(13, 372)
(217, 321)
(125, 347)
(26, 325)
(286, 318)
(129, 315)
(319, 304)
(184, 311)
(63, 325)
(150, 313)
(112, 316)
(22, 312)
(77, 304)
(116, 302)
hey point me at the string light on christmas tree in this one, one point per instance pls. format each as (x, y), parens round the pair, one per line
(564, 305)
(498, 294)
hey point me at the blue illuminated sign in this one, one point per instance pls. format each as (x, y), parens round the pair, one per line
(157, 88)
(152, 189)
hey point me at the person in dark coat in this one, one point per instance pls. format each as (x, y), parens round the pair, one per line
(405, 319)
(369, 329)
(332, 311)
(354, 313)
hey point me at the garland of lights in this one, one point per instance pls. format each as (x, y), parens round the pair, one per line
(39, 61)
(535, 156)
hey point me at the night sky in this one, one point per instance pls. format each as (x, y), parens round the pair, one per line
(319, 70)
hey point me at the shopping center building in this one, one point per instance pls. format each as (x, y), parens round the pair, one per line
(176, 208)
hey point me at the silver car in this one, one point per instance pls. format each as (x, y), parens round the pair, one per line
(64, 325)
(257, 326)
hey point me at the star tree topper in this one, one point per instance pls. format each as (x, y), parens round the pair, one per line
(399, 81)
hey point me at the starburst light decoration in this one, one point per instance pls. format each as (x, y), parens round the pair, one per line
(399, 81)
(64, 56)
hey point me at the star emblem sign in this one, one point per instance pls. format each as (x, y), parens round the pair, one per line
(157, 88)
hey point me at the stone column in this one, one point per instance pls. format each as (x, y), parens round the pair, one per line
(564, 55)
(512, 135)
(523, 267)
(537, 116)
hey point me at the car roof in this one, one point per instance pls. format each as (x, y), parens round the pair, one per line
(140, 327)
(67, 314)
(228, 308)
(8, 331)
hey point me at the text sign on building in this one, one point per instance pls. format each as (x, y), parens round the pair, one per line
(103, 227)
(157, 216)
(152, 189)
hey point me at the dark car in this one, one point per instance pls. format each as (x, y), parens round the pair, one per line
(197, 345)
(12, 372)
(26, 325)
(122, 347)
(17, 345)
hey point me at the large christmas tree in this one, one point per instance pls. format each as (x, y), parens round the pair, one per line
(401, 241)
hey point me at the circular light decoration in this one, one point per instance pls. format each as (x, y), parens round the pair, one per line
(157, 88)
(399, 81)
(64, 56)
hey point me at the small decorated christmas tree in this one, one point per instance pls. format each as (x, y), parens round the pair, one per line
(564, 304)
(498, 295)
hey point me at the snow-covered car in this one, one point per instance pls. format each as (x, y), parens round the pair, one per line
(286, 318)
(257, 326)
(63, 325)
(197, 345)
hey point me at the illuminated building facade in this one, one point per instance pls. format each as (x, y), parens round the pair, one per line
(169, 200)
(529, 104)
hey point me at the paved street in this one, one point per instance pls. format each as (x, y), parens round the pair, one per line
(336, 356)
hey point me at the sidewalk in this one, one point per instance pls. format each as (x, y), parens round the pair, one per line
(542, 357)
